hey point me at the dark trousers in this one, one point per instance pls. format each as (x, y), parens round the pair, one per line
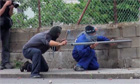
(38, 62)
(5, 55)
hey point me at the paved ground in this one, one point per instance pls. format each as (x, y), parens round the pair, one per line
(102, 73)
(67, 81)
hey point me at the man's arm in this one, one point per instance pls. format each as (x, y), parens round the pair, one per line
(102, 38)
(11, 10)
(57, 44)
(2, 10)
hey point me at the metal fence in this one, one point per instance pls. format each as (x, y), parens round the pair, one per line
(40, 13)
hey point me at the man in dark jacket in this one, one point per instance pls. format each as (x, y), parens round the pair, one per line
(38, 45)
(6, 11)
(85, 54)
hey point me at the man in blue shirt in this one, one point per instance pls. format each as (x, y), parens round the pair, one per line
(85, 54)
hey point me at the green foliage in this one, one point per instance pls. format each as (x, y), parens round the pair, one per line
(18, 64)
(130, 8)
(19, 20)
(98, 12)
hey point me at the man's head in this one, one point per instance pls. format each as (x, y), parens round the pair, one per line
(55, 32)
(90, 30)
(91, 33)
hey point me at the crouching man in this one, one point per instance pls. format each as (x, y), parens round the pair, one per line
(38, 45)
(84, 55)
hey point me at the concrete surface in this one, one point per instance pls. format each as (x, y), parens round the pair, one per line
(67, 81)
(102, 73)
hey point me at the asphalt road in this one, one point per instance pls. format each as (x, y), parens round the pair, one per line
(67, 81)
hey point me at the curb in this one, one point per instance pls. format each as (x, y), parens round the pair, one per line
(69, 73)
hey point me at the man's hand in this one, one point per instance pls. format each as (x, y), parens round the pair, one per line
(112, 44)
(64, 42)
(8, 2)
(93, 45)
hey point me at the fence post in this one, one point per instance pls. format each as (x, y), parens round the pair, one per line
(39, 16)
(115, 12)
(83, 12)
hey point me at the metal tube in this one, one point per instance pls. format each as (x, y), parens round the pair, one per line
(100, 42)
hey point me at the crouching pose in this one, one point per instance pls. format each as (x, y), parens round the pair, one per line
(85, 54)
(38, 45)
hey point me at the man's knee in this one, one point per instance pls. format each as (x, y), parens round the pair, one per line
(95, 67)
(47, 69)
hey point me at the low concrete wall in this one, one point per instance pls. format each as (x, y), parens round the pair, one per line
(122, 55)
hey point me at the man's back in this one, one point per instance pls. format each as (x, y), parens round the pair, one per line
(39, 41)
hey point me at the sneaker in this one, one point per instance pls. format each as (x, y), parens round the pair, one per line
(78, 68)
(24, 66)
(8, 66)
(36, 76)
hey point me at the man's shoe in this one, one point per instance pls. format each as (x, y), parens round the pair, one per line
(24, 66)
(36, 76)
(1, 67)
(78, 68)
(8, 66)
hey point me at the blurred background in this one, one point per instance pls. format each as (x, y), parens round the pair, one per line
(42, 13)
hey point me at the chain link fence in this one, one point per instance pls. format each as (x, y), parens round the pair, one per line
(42, 13)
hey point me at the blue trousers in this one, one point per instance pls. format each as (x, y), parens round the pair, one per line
(38, 62)
(88, 62)
(5, 55)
